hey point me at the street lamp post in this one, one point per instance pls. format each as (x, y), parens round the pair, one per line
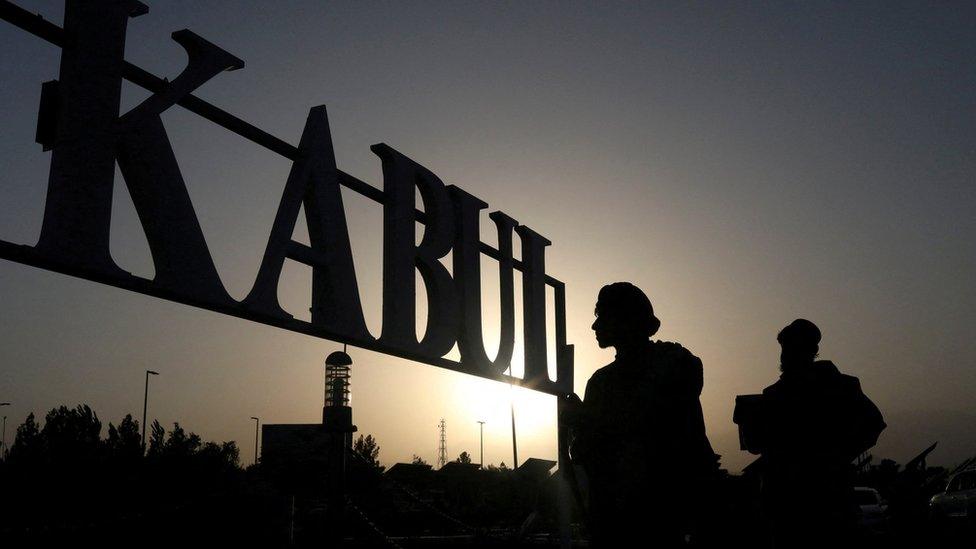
(3, 445)
(514, 440)
(145, 406)
(256, 423)
(481, 427)
(337, 422)
(511, 400)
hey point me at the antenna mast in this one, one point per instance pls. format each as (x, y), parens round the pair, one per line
(442, 449)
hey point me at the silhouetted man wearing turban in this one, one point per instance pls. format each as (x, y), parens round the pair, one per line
(813, 423)
(640, 435)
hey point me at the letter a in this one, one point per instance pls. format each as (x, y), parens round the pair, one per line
(314, 181)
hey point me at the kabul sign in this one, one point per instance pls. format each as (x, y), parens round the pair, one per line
(79, 122)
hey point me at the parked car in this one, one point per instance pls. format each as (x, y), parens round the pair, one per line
(874, 510)
(959, 499)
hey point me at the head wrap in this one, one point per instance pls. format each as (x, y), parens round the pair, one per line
(800, 333)
(628, 303)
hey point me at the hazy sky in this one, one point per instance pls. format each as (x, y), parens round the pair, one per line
(744, 163)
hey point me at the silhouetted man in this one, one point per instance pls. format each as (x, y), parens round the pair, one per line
(640, 435)
(812, 423)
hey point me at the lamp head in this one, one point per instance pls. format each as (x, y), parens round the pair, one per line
(338, 358)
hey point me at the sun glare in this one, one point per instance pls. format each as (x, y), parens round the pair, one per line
(492, 402)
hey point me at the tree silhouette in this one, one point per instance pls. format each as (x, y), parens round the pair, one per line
(464, 458)
(28, 446)
(369, 450)
(417, 460)
(157, 439)
(63, 483)
(71, 435)
(224, 454)
(124, 441)
(179, 444)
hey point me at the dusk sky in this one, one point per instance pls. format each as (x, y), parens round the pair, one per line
(744, 163)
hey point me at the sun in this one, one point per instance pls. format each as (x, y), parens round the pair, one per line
(477, 399)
